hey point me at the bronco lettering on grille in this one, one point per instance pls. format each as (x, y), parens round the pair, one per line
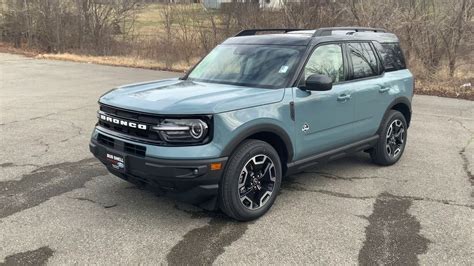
(123, 122)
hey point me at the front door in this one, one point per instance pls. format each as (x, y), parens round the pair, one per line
(323, 119)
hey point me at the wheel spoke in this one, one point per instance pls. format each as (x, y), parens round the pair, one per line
(266, 170)
(268, 187)
(243, 177)
(394, 148)
(399, 135)
(247, 192)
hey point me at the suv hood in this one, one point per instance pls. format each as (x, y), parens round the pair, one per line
(175, 96)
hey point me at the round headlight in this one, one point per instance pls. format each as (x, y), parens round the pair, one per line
(197, 130)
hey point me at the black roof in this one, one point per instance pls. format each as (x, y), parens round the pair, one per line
(276, 39)
(304, 37)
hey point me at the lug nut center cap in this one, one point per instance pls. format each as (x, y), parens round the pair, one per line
(256, 184)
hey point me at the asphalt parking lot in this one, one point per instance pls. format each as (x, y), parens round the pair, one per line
(58, 204)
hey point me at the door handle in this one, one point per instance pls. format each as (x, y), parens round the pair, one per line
(343, 98)
(383, 89)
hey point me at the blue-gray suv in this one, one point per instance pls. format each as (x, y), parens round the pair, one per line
(259, 107)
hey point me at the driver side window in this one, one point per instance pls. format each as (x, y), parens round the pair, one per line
(326, 60)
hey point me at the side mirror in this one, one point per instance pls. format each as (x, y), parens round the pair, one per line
(317, 82)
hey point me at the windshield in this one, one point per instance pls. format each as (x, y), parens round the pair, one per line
(267, 66)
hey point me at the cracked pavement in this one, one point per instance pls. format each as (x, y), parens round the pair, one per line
(58, 205)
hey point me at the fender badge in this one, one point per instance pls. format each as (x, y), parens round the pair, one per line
(305, 127)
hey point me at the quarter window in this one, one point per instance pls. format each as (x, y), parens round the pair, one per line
(326, 60)
(392, 56)
(364, 62)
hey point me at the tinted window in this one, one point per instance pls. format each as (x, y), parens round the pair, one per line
(364, 62)
(392, 56)
(326, 60)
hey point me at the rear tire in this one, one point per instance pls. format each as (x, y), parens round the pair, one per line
(392, 140)
(251, 181)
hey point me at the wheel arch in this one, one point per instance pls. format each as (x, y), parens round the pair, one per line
(270, 133)
(401, 104)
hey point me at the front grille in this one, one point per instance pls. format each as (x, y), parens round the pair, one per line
(147, 136)
(111, 119)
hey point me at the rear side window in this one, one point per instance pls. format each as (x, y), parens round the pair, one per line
(364, 61)
(392, 56)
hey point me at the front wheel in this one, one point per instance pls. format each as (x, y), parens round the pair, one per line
(392, 140)
(251, 181)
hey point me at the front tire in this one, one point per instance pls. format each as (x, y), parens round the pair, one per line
(392, 141)
(251, 181)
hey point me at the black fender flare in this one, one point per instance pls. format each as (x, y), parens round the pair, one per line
(398, 100)
(260, 128)
(403, 100)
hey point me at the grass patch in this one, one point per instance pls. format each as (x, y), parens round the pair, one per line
(453, 88)
(149, 21)
(122, 61)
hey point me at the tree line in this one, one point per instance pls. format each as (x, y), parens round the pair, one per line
(435, 34)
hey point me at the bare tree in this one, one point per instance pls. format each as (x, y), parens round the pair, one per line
(185, 34)
(167, 15)
(456, 23)
(433, 33)
(55, 25)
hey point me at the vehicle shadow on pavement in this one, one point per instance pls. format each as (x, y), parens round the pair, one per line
(202, 244)
(208, 234)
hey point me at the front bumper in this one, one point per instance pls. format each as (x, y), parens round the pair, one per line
(190, 181)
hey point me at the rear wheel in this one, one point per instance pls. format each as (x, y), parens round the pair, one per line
(392, 141)
(251, 181)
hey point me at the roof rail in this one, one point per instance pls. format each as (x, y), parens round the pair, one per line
(254, 31)
(328, 31)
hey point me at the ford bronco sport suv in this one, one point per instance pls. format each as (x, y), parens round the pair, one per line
(257, 108)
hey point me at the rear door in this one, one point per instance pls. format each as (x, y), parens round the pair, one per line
(324, 118)
(371, 92)
(396, 80)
